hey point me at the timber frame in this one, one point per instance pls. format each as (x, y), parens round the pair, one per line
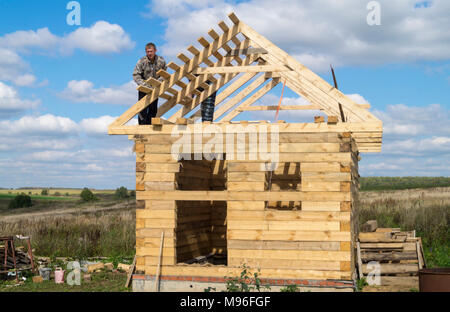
(295, 221)
(239, 65)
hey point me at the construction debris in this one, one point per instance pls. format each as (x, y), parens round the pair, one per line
(370, 226)
(392, 255)
(95, 267)
(23, 261)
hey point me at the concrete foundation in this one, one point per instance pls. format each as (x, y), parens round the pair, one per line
(146, 283)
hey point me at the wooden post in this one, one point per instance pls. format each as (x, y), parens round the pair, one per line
(358, 255)
(158, 270)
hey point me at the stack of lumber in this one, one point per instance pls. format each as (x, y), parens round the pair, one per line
(399, 254)
(22, 260)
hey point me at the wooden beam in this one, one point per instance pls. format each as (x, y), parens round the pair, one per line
(208, 90)
(228, 91)
(241, 196)
(187, 68)
(240, 69)
(256, 96)
(362, 127)
(190, 89)
(247, 51)
(286, 107)
(311, 81)
(239, 97)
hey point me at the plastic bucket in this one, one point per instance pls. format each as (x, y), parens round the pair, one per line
(59, 276)
(45, 273)
(434, 280)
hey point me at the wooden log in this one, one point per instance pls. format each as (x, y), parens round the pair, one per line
(388, 256)
(370, 226)
(412, 281)
(379, 237)
(394, 268)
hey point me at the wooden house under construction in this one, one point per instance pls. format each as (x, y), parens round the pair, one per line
(279, 197)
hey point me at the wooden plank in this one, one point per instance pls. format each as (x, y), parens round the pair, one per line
(394, 268)
(388, 256)
(376, 237)
(381, 246)
(281, 128)
(241, 196)
(284, 225)
(412, 281)
(277, 215)
(240, 96)
(239, 69)
(229, 90)
(282, 245)
(221, 271)
(236, 52)
(283, 107)
(290, 254)
(309, 79)
(320, 206)
(419, 255)
(187, 68)
(359, 262)
(252, 99)
(286, 264)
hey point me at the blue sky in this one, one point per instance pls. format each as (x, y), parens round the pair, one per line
(61, 85)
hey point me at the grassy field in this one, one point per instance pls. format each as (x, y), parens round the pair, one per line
(402, 183)
(106, 228)
(100, 282)
(425, 210)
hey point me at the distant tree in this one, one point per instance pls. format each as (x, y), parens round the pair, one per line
(29, 193)
(20, 201)
(57, 194)
(121, 192)
(67, 194)
(132, 193)
(44, 192)
(87, 195)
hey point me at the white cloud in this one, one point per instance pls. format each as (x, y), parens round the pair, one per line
(102, 37)
(84, 91)
(11, 104)
(46, 125)
(21, 40)
(403, 120)
(319, 32)
(97, 126)
(26, 80)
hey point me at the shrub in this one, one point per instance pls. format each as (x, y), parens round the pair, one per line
(44, 192)
(20, 201)
(121, 192)
(132, 193)
(87, 195)
(57, 194)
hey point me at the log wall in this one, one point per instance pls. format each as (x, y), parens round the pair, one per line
(304, 227)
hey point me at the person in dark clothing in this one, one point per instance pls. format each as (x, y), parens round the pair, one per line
(146, 68)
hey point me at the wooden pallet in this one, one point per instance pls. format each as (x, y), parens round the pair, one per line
(399, 254)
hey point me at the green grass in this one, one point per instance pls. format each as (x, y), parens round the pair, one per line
(100, 282)
(39, 197)
(402, 183)
(428, 215)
